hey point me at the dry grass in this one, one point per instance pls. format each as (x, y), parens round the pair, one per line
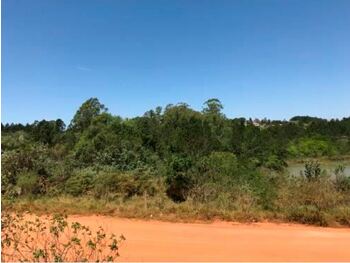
(160, 208)
(315, 202)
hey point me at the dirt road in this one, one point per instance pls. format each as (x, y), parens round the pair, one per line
(223, 241)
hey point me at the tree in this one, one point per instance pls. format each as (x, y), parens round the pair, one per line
(183, 130)
(213, 106)
(87, 111)
(60, 125)
(216, 121)
(47, 132)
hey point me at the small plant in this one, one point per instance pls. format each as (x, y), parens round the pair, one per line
(339, 170)
(342, 182)
(54, 240)
(312, 170)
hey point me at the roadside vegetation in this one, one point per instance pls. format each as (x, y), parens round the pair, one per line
(177, 163)
(54, 239)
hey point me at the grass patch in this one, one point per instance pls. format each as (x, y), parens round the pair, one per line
(162, 208)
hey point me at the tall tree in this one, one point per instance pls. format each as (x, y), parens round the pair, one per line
(87, 111)
(213, 106)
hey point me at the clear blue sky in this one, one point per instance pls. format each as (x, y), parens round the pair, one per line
(263, 58)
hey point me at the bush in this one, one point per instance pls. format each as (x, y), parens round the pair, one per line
(342, 215)
(342, 182)
(28, 183)
(311, 147)
(308, 214)
(275, 163)
(311, 202)
(213, 175)
(13, 141)
(58, 241)
(262, 186)
(221, 162)
(126, 184)
(58, 173)
(312, 170)
(322, 194)
(179, 178)
(179, 186)
(34, 158)
(80, 182)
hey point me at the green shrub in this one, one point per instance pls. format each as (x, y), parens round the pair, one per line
(342, 215)
(311, 202)
(58, 241)
(312, 170)
(13, 141)
(179, 186)
(308, 214)
(212, 175)
(126, 184)
(179, 178)
(33, 158)
(262, 186)
(275, 163)
(342, 181)
(80, 182)
(224, 163)
(311, 147)
(28, 183)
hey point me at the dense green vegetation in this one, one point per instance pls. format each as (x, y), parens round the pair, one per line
(178, 159)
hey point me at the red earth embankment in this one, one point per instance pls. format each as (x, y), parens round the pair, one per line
(224, 241)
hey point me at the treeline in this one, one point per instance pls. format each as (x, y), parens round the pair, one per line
(185, 154)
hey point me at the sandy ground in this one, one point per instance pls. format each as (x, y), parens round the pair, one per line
(223, 241)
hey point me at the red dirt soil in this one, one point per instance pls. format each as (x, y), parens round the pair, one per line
(223, 241)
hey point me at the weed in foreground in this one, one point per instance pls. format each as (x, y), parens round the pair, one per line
(54, 240)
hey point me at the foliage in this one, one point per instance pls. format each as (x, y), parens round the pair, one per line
(28, 183)
(126, 184)
(181, 155)
(32, 158)
(14, 140)
(342, 182)
(47, 132)
(87, 111)
(179, 179)
(312, 170)
(54, 240)
(275, 163)
(311, 147)
(80, 182)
